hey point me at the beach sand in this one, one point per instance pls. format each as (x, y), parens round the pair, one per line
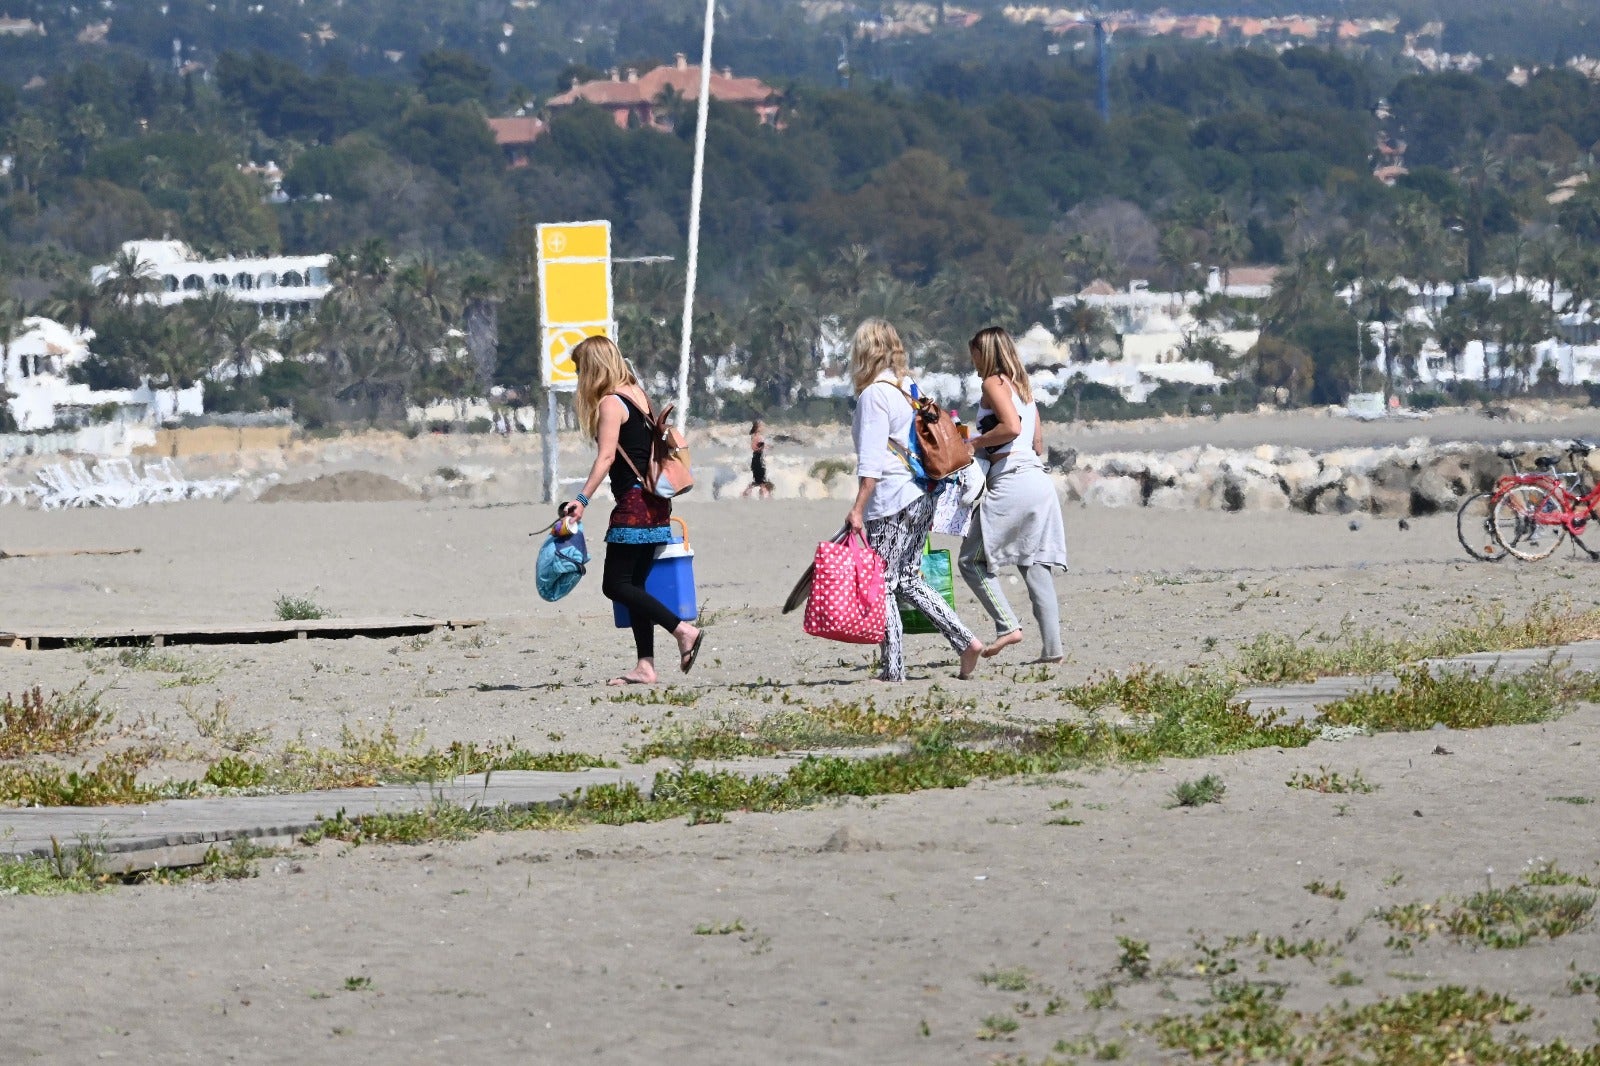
(856, 932)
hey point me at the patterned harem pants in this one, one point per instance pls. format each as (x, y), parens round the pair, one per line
(898, 540)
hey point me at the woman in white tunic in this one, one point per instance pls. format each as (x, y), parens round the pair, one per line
(1018, 521)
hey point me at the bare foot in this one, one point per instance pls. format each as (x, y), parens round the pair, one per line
(636, 676)
(1042, 661)
(1002, 643)
(969, 659)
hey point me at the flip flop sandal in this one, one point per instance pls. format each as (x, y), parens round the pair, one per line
(686, 660)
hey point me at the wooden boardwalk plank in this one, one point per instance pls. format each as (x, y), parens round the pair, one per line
(42, 639)
(56, 553)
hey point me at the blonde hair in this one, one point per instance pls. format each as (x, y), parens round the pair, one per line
(875, 348)
(994, 353)
(601, 371)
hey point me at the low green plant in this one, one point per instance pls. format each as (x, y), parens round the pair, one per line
(1576, 801)
(1424, 1028)
(217, 725)
(113, 780)
(1275, 658)
(298, 608)
(58, 724)
(1015, 979)
(1327, 891)
(1495, 917)
(998, 1027)
(1134, 957)
(1548, 874)
(1101, 997)
(825, 470)
(1199, 792)
(234, 772)
(1325, 780)
(720, 929)
(1463, 699)
(357, 984)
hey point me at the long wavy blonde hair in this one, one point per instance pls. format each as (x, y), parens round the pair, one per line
(601, 371)
(875, 348)
(993, 352)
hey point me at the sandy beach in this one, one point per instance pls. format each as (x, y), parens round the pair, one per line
(856, 932)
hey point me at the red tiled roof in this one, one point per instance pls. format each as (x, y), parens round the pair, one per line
(516, 129)
(648, 87)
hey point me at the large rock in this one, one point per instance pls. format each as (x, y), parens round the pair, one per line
(1079, 482)
(1115, 492)
(1388, 502)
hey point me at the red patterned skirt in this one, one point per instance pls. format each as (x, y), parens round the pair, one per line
(640, 518)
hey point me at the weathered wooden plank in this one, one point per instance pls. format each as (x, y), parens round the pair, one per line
(55, 553)
(232, 632)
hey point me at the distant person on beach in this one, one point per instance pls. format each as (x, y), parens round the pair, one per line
(758, 462)
(1018, 521)
(612, 409)
(891, 508)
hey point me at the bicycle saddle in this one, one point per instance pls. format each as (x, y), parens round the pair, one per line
(1546, 462)
(1580, 447)
(1507, 453)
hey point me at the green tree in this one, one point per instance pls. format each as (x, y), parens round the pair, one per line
(229, 214)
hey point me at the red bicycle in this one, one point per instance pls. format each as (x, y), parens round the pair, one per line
(1531, 518)
(1476, 519)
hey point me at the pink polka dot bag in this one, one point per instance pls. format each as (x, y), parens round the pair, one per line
(847, 592)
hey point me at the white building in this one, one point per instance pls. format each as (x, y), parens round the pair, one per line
(281, 286)
(37, 376)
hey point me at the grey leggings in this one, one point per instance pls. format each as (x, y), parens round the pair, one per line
(898, 541)
(1041, 590)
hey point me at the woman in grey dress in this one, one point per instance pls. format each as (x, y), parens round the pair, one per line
(1018, 521)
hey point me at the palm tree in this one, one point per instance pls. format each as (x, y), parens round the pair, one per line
(74, 303)
(1520, 323)
(1480, 169)
(241, 334)
(784, 331)
(1086, 258)
(1385, 302)
(1453, 331)
(1305, 283)
(1086, 325)
(1032, 278)
(179, 359)
(1548, 261)
(11, 319)
(129, 278)
(1179, 251)
(1228, 242)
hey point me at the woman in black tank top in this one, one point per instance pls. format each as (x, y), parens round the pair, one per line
(614, 410)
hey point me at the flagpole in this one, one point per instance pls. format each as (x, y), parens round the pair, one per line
(695, 191)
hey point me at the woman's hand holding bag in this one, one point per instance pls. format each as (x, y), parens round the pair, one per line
(847, 592)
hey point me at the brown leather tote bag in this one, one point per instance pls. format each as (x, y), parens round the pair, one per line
(944, 450)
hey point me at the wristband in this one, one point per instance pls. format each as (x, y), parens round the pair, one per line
(583, 499)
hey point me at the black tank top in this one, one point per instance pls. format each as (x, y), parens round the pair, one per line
(634, 439)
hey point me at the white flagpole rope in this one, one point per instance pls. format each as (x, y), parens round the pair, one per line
(694, 214)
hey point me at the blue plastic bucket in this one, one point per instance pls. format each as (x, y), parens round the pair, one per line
(671, 580)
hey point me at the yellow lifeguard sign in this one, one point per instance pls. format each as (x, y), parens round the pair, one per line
(574, 293)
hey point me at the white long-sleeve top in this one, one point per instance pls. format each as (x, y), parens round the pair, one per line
(883, 413)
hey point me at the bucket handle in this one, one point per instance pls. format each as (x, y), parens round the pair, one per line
(681, 524)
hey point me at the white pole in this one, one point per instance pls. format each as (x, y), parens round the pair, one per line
(694, 214)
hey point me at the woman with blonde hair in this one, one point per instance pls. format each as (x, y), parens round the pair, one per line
(892, 510)
(613, 409)
(1018, 520)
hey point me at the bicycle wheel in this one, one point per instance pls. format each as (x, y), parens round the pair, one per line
(1475, 528)
(1514, 525)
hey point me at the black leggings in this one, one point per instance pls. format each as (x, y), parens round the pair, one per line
(627, 567)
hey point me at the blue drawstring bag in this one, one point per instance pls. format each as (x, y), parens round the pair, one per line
(563, 558)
